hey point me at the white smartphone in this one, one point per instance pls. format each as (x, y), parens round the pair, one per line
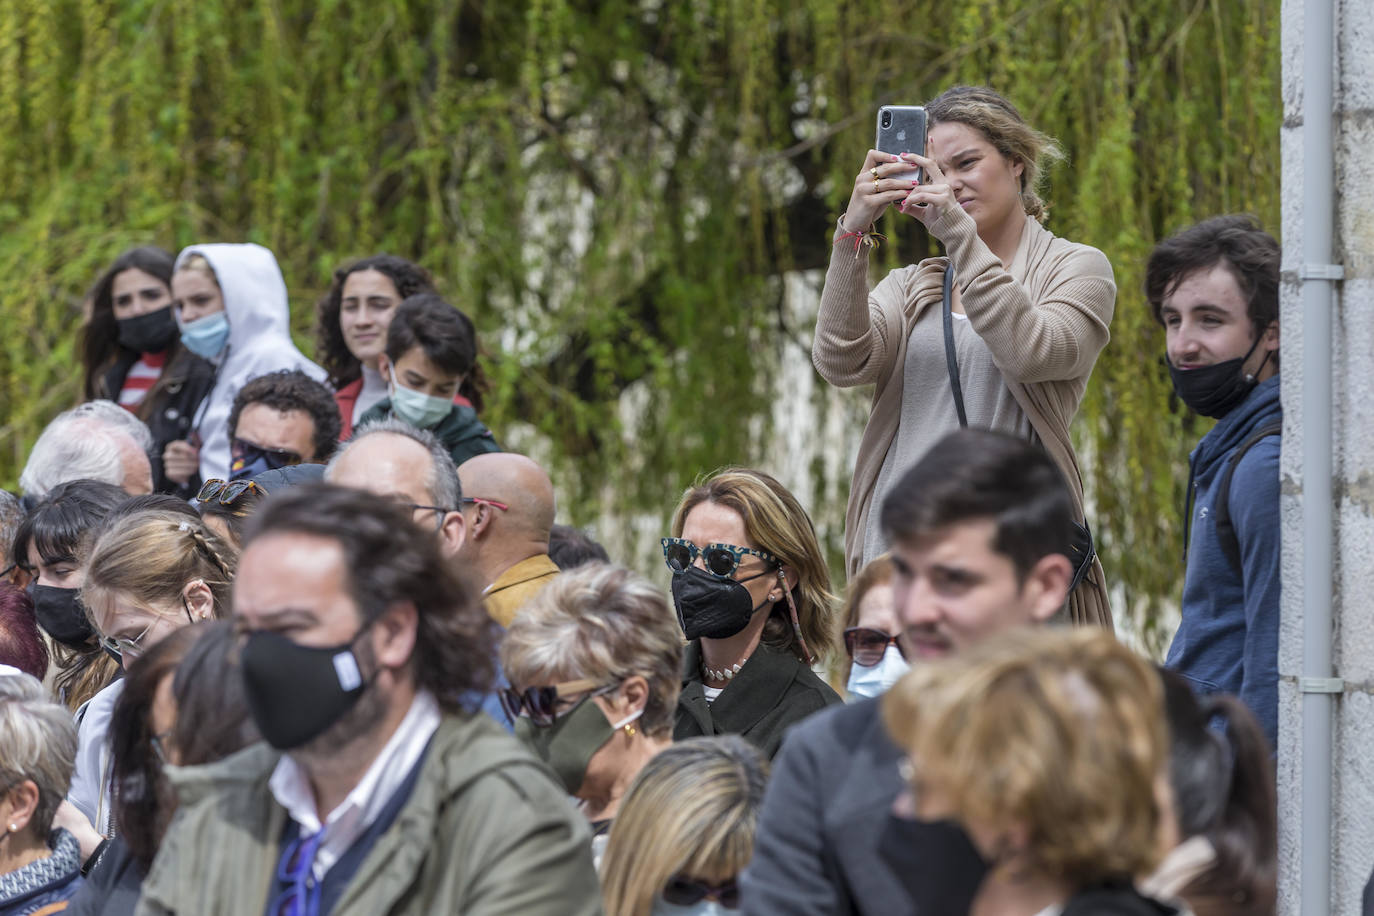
(902, 129)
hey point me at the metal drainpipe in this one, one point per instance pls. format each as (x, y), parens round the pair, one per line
(1317, 685)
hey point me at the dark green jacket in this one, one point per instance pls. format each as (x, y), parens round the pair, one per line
(772, 692)
(485, 832)
(461, 432)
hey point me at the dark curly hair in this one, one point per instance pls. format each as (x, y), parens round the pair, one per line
(292, 389)
(445, 334)
(330, 349)
(100, 345)
(391, 559)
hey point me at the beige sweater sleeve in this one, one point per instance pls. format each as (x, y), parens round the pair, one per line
(1054, 338)
(857, 332)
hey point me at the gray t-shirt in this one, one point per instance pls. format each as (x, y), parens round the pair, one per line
(928, 412)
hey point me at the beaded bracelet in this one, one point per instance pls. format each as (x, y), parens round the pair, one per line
(870, 238)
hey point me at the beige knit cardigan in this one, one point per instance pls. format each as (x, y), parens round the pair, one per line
(1044, 317)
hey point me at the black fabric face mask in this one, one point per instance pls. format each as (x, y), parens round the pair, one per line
(149, 333)
(710, 607)
(296, 692)
(1215, 390)
(61, 615)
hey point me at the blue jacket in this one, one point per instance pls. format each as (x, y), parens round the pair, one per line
(1228, 641)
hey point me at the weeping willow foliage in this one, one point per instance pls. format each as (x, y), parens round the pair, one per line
(613, 190)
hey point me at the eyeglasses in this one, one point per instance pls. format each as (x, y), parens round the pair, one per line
(482, 501)
(866, 646)
(225, 492)
(245, 453)
(440, 513)
(542, 702)
(682, 891)
(129, 649)
(302, 896)
(721, 560)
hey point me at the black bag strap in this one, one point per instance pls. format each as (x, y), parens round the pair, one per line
(1221, 506)
(951, 358)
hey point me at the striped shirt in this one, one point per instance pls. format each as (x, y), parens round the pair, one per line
(142, 376)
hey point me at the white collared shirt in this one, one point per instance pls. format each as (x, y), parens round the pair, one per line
(290, 786)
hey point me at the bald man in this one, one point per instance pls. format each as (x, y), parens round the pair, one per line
(508, 508)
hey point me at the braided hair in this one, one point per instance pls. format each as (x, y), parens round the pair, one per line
(151, 556)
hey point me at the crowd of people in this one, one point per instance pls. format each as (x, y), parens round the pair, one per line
(287, 638)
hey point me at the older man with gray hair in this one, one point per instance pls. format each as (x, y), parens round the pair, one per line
(98, 440)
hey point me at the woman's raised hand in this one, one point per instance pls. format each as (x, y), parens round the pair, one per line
(927, 201)
(875, 189)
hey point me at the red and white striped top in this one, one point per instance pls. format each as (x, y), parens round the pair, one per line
(142, 376)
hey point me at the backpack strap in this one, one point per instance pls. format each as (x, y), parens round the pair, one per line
(1221, 506)
(952, 358)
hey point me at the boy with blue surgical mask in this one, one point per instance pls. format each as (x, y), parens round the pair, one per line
(433, 381)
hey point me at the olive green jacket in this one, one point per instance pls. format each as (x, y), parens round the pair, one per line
(486, 831)
(772, 692)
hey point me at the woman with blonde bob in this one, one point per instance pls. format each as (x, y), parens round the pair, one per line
(1050, 749)
(594, 661)
(752, 594)
(150, 574)
(686, 830)
(1021, 313)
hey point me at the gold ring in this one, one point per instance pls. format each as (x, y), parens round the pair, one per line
(875, 187)
(874, 172)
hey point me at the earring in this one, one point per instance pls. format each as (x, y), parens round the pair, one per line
(14, 828)
(630, 729)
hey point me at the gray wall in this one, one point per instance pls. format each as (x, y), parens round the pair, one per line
(1352, 361)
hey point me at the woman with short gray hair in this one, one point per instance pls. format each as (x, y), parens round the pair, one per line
(39, 865)
(595, 663)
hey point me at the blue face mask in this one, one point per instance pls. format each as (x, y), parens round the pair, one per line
(206, 336)
(701, 908)
(874, 681)
(419, 410)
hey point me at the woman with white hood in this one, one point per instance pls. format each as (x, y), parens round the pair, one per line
(230, 303)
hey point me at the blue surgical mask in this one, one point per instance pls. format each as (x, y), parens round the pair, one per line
(206, 336)
(420, 410)
(874, 681)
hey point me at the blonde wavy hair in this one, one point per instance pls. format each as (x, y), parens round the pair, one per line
(150, 556)
(775, 522)
(1060, 732)
(877, 571)
(605, 623)
(691, 811)
(998, 120)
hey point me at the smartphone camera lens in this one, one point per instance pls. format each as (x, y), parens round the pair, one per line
(887, 120)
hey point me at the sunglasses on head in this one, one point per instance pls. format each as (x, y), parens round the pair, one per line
(866, 646)
(245, 453)
(720, 560)
(681, 891)
(541, 703)
(227, 492)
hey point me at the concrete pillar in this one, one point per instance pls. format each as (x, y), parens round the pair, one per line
(1352, 362)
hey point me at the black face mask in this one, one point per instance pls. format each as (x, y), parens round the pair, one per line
(149, 333)
(296, 692)
(61, 615)
(946, 877)
(710, 607)
(1215, 390)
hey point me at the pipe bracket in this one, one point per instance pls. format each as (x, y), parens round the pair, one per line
(1321, 272)
(1321, 685)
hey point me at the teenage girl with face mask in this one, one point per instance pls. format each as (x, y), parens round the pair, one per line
(752, 593)
(1028, 312)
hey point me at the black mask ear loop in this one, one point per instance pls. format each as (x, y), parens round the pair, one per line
(796, 624)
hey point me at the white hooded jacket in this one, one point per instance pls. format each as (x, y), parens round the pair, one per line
(259, 340)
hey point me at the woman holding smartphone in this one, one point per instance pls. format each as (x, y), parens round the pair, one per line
(1029, 312)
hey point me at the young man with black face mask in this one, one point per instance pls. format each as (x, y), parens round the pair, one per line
(978, 531)
(1214, 288)
(380, 788)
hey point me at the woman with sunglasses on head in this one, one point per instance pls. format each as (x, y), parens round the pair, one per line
(133, 355)
(1028, 312)
(226, 505)
(594, 662)
(752, 594)
(148, 576)
(686, 831)
(874, 658)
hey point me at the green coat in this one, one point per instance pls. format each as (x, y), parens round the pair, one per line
(460, 432)
(486, 831)
(772, 692)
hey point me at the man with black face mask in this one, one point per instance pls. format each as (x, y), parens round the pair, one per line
(380, 788)
(1214, 288)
